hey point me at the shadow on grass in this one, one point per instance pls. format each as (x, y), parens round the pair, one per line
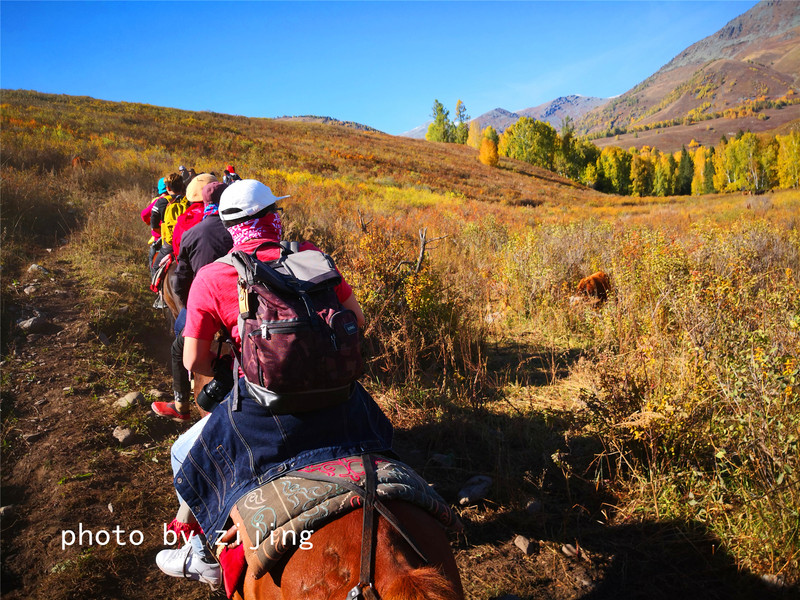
(538, 457)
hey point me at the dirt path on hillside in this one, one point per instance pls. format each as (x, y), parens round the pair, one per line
(64, 472)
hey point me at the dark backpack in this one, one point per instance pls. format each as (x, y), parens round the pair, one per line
(300, 349)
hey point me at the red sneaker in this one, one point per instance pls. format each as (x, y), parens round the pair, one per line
(168, 410)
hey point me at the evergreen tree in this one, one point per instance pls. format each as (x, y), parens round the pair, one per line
(461, 127)
(683, 179)
(441, 130)
(641, 175)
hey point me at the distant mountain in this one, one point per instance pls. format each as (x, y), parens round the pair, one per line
(553, 112)
(755, 57)
(327, 121)
(418, 133)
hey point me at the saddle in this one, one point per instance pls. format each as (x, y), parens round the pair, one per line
(157, 280)
(279, 516)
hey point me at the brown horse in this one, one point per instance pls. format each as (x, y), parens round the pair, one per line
(329, 570)
(173, 302)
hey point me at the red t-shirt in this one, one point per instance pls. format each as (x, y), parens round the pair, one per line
(191, 217)
(214, 299)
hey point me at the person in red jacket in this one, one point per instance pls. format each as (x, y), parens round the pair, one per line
(194, 212)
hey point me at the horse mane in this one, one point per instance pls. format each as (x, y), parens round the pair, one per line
(425, 583)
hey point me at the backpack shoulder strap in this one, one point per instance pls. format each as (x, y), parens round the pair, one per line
(290, 247)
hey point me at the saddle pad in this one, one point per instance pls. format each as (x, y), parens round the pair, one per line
(280, 515)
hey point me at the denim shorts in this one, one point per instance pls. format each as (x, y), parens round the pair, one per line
(236, 451)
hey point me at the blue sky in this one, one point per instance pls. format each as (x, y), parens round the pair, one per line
(377, 63)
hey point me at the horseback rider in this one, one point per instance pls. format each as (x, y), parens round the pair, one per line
(155, 237)
(230, 175)
(164, 214)
(194, 209)
(202, 244)
(242, 443)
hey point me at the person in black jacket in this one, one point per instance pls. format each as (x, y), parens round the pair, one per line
(203, 243)
(200, 245)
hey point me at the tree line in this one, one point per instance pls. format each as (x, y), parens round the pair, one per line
(747, 163)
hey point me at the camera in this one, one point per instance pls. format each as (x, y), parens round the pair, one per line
(215, 391)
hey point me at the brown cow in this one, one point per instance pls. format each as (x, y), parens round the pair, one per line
(596, 286)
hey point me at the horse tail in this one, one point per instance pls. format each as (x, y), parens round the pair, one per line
(425, 583)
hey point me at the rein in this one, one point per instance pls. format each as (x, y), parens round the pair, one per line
(365, 590)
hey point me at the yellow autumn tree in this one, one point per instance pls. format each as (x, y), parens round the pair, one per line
(488, 155)
(475, 135)
(789, 160)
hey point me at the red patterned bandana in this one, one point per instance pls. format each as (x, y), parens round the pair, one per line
(267, 228)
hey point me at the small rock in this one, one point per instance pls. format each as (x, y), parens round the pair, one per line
(131, 399)
(34, 325)
(775, 581)
(445, 460)
(524, 544)
(123, 435)
(103, 338)
(7, 511)
(474, 490)
(570, 550)
(157, 393)
(31, 289)
(34, 268)
(110, 508)
(33, 437)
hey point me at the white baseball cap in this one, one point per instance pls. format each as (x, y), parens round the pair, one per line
(243, 199)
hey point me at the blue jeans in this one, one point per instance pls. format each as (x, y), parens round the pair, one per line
(236, 451)
(180, 449)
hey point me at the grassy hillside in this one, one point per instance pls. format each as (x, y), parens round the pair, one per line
(657, 434)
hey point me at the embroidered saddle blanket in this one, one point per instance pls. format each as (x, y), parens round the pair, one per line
(280, 515)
